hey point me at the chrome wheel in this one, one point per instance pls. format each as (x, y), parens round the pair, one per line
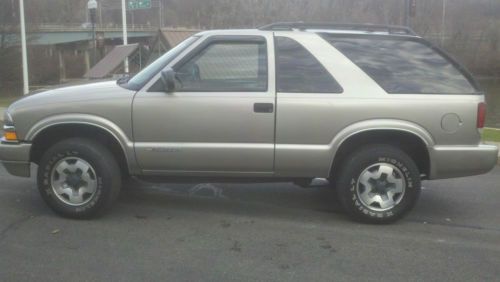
(74, 181)
(381, 186)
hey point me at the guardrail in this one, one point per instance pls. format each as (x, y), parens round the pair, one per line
(82, 27)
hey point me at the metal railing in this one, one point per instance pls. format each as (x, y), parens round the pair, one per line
(88, 26)
(81, 27)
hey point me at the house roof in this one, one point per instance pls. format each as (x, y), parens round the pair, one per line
(111, 61)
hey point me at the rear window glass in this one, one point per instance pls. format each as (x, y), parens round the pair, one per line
(403, 66)
(298, 71)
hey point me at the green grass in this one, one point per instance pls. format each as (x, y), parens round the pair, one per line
(6, 101)
(492, 135)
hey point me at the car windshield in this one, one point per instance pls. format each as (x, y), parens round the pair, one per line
(138, 80)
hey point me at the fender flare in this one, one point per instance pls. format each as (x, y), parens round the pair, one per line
(376, 125)
(84, 119)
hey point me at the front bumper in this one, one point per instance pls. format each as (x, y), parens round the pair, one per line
(16, 158)
(458, 161)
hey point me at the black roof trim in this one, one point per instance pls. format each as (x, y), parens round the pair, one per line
(391, 29)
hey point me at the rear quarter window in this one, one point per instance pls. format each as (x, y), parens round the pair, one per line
(298, 71)
(404, 66)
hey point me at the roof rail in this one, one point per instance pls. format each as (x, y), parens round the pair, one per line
(392, 29)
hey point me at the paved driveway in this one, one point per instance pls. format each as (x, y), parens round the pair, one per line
(266, 232)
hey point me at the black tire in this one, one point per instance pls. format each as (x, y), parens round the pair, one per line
(377, 156)
(107, 177)
(332, 184)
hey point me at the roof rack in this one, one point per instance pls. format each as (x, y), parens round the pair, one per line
(391, 29)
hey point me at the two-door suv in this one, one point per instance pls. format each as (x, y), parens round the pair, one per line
(374, 109)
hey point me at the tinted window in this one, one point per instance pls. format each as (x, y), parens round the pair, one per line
(403, 66)
(299, 71)
(226, 66)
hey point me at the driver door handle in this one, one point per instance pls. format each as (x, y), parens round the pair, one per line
(263, 107)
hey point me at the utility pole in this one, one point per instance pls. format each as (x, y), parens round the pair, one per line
(24, 50)
(443, 17)
(125, 39)
(160, 12)
(92, 7)
(410, 11)
(100, 14)
(407, 13)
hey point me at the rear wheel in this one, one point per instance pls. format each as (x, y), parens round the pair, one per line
(79, 178)
(378, 184)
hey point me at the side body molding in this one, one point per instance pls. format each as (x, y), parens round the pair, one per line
(126, 144)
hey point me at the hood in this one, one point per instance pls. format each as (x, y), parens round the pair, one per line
(67, 84)
(70, 94)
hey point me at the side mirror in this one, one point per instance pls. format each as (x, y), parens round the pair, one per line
(168, 80)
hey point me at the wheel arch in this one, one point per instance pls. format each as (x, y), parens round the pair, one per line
(50, 130)
(410, 137)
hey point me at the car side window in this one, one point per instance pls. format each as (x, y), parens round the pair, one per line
(298, 71)
(403, 66)
(226, 66)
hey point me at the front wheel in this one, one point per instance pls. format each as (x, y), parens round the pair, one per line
(79, 178)
(378, 184)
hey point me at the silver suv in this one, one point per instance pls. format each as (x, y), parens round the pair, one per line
(373, 109)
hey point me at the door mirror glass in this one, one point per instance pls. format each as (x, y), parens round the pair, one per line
(168, 80)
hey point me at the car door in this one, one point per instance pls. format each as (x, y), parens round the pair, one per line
(220, 120)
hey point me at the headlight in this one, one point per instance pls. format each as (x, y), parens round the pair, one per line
(9, 131)
(7, 119)
(9, 134)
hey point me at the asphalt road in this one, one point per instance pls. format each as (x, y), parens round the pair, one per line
(265, 232)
